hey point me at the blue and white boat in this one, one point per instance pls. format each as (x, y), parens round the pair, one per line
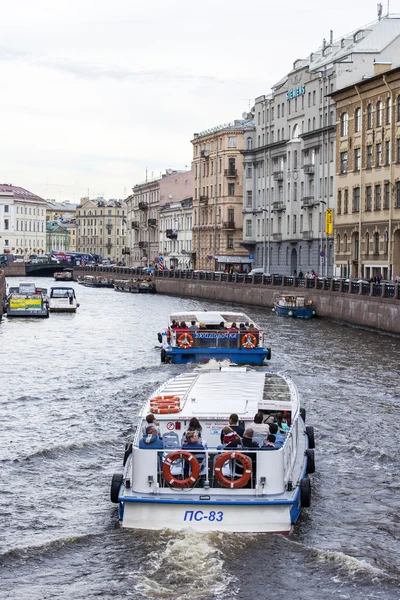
(198, 336)
(213, 487)
(294, 306)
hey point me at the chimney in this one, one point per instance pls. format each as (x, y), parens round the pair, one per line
(382, 66)
(331, 37)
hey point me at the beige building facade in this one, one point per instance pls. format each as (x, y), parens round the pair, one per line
(218, 197)
(367, 215)
(101, 228)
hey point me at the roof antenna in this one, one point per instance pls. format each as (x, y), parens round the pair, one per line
(331, 37)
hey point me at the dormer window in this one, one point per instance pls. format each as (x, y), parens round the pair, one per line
(327, 50)
(359, 35)
(342, 43)
(297, 64)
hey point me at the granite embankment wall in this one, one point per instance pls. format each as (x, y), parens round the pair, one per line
(2, 291)
(366, 311)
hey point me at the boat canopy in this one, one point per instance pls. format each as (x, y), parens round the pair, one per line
(211, 317)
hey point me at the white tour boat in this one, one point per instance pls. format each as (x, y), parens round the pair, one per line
(63, 299)
(166, 484)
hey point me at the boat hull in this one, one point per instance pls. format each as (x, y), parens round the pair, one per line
(27, 314)
(231, 516)
(299, 313)
(239, 356)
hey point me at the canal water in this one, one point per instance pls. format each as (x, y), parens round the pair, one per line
(71, 388)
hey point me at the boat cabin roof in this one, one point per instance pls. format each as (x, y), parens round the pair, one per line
(211, 317)
(217, 394)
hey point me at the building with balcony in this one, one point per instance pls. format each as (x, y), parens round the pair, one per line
(218, 193)
(367, 214)
(289, 157)
(101, 228)
(176, 221)
(144, 214)
(22, 221)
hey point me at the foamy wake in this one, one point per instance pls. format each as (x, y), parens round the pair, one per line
(190, 566)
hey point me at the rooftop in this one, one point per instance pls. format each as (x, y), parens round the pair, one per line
(19, 193)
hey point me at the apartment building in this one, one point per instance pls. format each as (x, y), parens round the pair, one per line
(60, 211)
(101, 227)
(367, 217)
(218, 196)
(22, 221)
(289, 158)
(57, 237)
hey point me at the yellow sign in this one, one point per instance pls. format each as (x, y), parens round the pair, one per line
(329, 221)
(25, 303)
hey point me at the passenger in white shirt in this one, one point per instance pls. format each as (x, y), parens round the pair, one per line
(259, 426)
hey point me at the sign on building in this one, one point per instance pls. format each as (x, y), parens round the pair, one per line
(329, 221)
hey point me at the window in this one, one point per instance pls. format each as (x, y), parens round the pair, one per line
(231, 189)
(369, 156)
(386, 199)
(295, 160)
(378, 155)
(378, 197)
(397, 194)
(230, 241)
(288, 224)
(295, 191)
(248, 228)
(249, 199)
(5, 223)
(309, 98)
(368, 198)
(339, 202)
(398, 150)
(357, 120)
(367, 243)
(343, 162)
(249, 143)
(376, 243)
(357, 159)
(388, 111)
(345, 242)
(6, 208)
(379, 114)
(346, 201)
(248, 172)
(294, 223)
(387, 152)
(232, 141)
(344, 124)
(314, 96)
(356, 199)
(369, 117)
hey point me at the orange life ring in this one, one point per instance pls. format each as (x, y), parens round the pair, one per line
(185, 341)
(249, 341)
(226, 481)
(165, 410)
(164, 398)
(189, 458)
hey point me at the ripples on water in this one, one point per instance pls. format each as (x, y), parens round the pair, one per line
(71, 389)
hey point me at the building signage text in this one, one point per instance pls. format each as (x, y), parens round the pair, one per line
(298, 91)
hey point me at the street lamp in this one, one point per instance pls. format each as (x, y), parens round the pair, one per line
(324, 253)
(393, 187)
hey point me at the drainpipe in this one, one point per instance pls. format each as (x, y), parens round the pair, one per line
(360, 274)
(392, 138)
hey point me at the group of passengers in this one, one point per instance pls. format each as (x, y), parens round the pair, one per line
(194, 326)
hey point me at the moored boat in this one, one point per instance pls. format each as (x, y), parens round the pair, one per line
(294, 306)
(260, 486)
(96, 282)
(201, 335)
(64, 275)
(63, 299)
(27, 300)
(135, 286)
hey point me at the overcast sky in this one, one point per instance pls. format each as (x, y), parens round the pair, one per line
(93, 92)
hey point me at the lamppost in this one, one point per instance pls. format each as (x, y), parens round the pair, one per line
(393, 188)
(323, 252)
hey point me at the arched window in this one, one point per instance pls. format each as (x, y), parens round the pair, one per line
(287, 256)
(309, 125)
(367, 243)
(388, 111)
(338, 243)
(398, 108)
(376, 242)
(295, 133)
(345, 242)
(249, 143)
(357, 120)
(313, 123)
(279, 256)
(379, 113)
(344, 124)
(369, 116)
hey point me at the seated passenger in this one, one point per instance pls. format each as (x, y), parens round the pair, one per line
(228, 435)
(283, 427)
(192, 441)
(252, 329)
(150, 439)
(242, 327)
(233, 327)
(194, 425)
(151, 420)
(202, 325)
(259, 426)
(222, 325)
(233, 424)
(183, 325)
(174, 324)
(246, 441)
(279, 437)
(269, 442)
(193, 326)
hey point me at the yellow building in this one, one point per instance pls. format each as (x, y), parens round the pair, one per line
(367, 219)
(218, 197)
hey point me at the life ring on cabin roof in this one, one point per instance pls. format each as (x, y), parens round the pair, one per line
(185, 341)
(249, 341)
(189, 458)
(244, 460)
(165, 404)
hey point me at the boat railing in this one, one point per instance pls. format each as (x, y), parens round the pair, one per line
(211, 338)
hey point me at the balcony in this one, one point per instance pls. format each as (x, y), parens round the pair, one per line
(308, 201)
(142, 244)
(307, 235)
(309, 169)
(204, 199)
(171, 234)
(277, 237)
(278, 206)
(152, 222)
(277, 175)
(135, 224)
(230, 172)
(143, 206)
(228, 225)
